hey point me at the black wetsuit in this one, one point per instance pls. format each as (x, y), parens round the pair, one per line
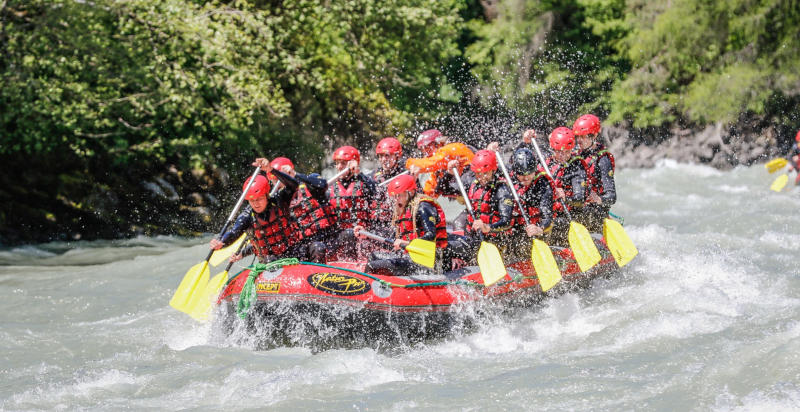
(538, 195)
(574, 176)
(602, 172)
(502, 201)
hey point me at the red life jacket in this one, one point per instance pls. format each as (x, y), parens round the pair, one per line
(351, 204)
(406, 224)
(274, 236)
(310, 215)
(593, 172)
(483, 204)
(533, 211)
(558, 170)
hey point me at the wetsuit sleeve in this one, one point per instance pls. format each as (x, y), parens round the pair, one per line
(577, 178)
(285, 196)
(609, 196)
(504, 201)
(315, 184)
(427, 218)
(242, 222)
(545, 190)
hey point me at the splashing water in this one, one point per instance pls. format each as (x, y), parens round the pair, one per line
(706, 318)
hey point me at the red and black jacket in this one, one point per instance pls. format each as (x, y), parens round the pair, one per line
(422, 218)
(570, 176)
(310, 207)
(354, 201)
(537, 200)
(492, 203)
(600, 172)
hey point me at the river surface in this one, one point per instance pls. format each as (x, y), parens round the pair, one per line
(707, 317)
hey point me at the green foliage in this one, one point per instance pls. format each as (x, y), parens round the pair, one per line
(549, 59)
(175, 80)
(707, 61)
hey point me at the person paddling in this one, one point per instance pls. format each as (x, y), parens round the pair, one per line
(416, 216)
(535, 192)
(599, 172)
(268, 222)
(390, 156)
(310, 208)
(353, 198)
(493, 203)
(569, 175)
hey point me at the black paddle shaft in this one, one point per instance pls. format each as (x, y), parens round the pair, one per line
(511, 186)
(466, 199)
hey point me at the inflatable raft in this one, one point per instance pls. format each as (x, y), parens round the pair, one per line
(291, 303)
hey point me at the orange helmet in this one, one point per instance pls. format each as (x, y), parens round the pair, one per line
(484, 161)
(402, 183)
(259, 188)
(586, 124)
(346, 153)
(389, 145)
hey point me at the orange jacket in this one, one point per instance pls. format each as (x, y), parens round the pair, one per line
(436, 164)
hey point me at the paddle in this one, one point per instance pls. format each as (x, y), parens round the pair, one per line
(419, 250)
(386, 182)
(620, 245)
(196, 278)
(580, 241)
(779, 183)
(776, 164)
(221, 255)
(541, 256)
(202, 305)
(489, 260)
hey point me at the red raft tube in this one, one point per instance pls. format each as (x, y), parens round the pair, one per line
(292, 303)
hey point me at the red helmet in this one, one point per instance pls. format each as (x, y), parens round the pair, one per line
(402, 183)
(428, 138)
(389, 145)
(797, 137)
(586, 124)
(562, 138)
(484, 161)
(259, 188)
(347, 153)
(278, 163)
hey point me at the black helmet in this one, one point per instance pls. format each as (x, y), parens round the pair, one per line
(523, 162)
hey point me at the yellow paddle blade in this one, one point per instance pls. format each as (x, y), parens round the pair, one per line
(776, 164)
(201, 306)
(193, 283)
(422, 252)
(491, 264)
(779, 183)
(618, 242)
(583, 247)
(545, 265)
(223, 254)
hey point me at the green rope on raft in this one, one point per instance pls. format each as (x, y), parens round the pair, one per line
(620, 218)
(248, 295)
